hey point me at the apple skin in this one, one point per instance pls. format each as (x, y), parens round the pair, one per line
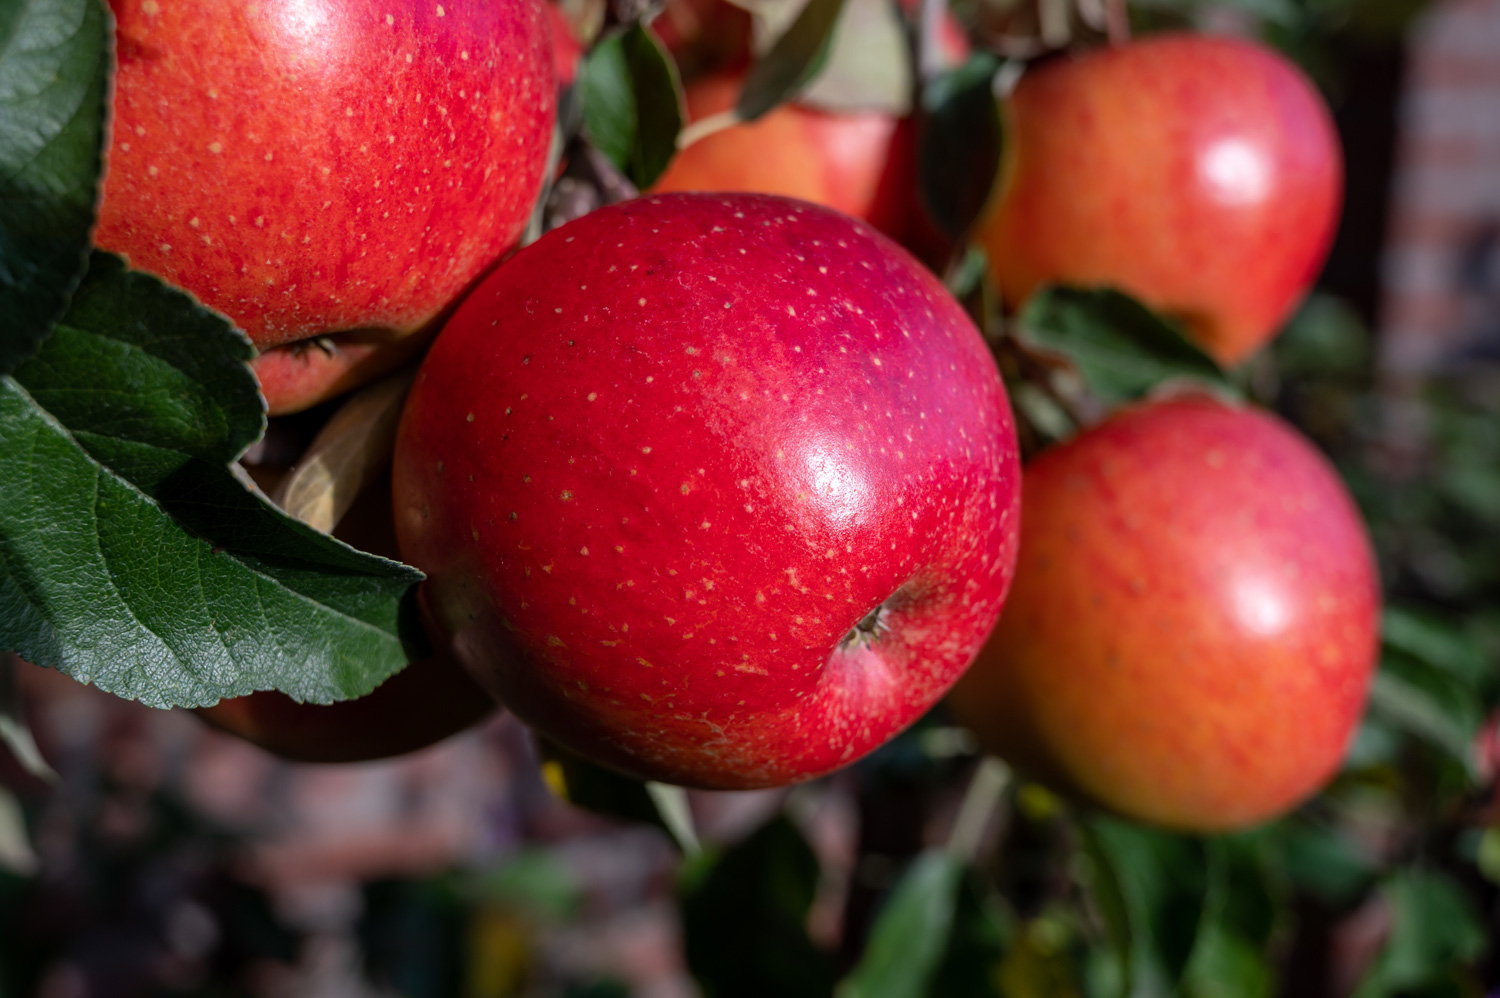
(421, 705)
(658, 466)
(1194, 622)
(317, 167)
(1201, 174)
(840, 161)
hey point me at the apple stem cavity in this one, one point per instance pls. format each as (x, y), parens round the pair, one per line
(868, 631)
(986, 787)
(676, 813)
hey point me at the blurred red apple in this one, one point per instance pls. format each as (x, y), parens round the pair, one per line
(713, 489)
(1194, 621)
(841, 161)
(567, 51)
(1200, 174)
(314, 168)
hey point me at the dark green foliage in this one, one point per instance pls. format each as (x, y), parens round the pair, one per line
(744, 919)
(1121, 349)
(54, 77)
(131, 557)
(632, 103)
(794, 59)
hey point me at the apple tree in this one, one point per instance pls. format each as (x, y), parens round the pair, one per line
(665, 373)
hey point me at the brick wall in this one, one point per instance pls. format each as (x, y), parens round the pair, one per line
(1441, 270)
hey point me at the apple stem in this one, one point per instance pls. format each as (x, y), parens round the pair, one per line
(704, 127)
(986, 787)
(672, 804)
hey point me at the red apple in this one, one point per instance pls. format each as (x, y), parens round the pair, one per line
(713, 489)
(1194, 620)
(423, 704)
(1200, 174)
(321, 167)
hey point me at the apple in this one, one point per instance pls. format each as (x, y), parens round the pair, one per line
(719, 490)
(426, 702)
(842, 161)
(335, 169)
(1201, 174)
(1194, 621)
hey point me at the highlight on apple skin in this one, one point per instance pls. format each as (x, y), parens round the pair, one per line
(719, 490)
(1194, 621)
(1201, 174)
(316, 168)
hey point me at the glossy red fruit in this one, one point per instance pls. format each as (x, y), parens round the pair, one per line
(720, 490)
(317, 167)
(1194, 620)
(426, 702)
(1200, 174)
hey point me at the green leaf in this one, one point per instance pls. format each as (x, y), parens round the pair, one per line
(1229, 953)
(1326, 338)
(793, 61)
(54, 76)
(959, 141)
(977, 944)
(744, 918)
(1435, 933)
(911, 934)
(1446, 723)
(132, 558)
(1320, 860)
(632, 103)
(1121, 348)
(1435, 641)
(1153, 889)
(1226, 965)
